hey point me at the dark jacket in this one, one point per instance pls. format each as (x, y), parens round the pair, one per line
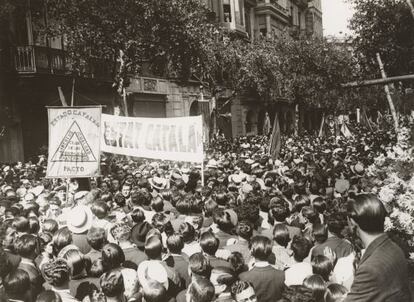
(382, 274)
(267, 282)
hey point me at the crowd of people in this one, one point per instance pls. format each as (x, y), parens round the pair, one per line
(299, 228)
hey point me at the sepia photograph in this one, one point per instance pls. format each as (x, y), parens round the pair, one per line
(206, 150)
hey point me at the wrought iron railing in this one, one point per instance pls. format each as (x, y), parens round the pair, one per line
(38, 59)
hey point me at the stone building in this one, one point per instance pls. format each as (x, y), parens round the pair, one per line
(252, 18)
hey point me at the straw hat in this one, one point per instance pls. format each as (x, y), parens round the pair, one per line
(79, 219)
(158, 183)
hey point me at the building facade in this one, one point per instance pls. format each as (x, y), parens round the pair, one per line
(245, 115)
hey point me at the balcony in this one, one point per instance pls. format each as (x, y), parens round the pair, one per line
(37, 59)
(274, 8)
(30, 60)
(302, 3)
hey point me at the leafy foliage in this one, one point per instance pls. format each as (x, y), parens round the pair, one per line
(387, 27)
(166, 35)
(307, 71)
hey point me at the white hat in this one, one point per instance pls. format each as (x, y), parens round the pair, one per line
(158, 182)
(36, 191)
(236, 178)
(212, 163)
(152, 270)
(79, 219)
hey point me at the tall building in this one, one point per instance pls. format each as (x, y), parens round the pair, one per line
(245, 114)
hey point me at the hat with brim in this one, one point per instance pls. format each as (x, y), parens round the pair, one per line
(79, 219)
(249, 161)
(212, 164)
(152, 270)
(341, 185)
(358, 168)
(233, 216)
(236, 179)
(158, 183)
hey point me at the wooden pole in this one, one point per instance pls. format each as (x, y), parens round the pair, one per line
(322, 125)
(124, 99)
(62, 97)
(410, 4)
(378, 81)
(72, 100)
(202, 173)
(387, 92)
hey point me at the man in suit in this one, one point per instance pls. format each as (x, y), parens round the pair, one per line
(176, 259)
(268, 282)
(382, 272)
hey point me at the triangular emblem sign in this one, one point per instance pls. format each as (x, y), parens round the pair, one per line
(74, 147)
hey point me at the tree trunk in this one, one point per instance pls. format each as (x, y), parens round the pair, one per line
(296, 119)
(121, 87)
(387, 92)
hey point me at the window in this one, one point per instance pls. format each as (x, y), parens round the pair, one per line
(263, 31)
(247, 19)
(227, 10)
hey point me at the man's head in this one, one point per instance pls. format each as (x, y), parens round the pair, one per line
(222, 278)
(242, 291)
(112, 284)
(199, 266)
(261, 248)
(300, 247)
(115, 185)
(153, 248)
(126, 190)
(209, 243)
(17, 285)
(200, 290)
(367, 213)
(25, 246)
(175, 244)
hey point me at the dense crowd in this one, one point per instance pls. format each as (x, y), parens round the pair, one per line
(299, 228)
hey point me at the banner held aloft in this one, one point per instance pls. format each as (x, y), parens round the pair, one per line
(178, 139)
(74, 142)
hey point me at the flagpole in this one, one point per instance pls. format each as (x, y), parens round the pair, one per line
(202, 173)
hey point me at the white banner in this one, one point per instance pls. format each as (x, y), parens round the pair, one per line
(74, 142)
(178, 139)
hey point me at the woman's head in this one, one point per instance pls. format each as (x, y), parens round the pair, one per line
(57, 272)
(76, 261)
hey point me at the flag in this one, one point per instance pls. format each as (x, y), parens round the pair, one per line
(321, 132)
(364, 119)
(275, 140)
(345, 131)
(267, 125)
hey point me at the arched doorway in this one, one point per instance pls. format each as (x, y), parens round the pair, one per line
(251, 122)
(194, 108)
(261, 121)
